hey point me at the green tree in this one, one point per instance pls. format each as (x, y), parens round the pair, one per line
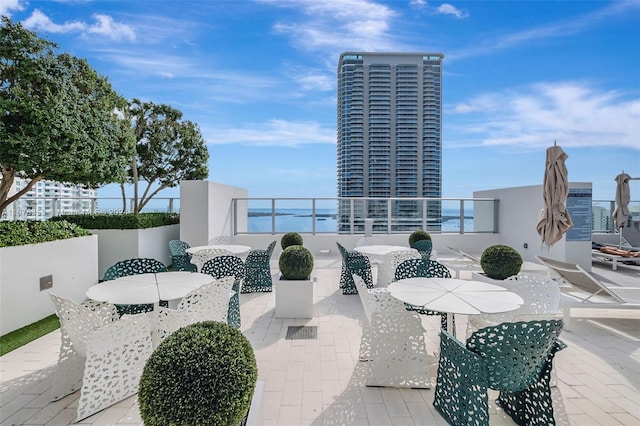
(169, 150)
(60, 119)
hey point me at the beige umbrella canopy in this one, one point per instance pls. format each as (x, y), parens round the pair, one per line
(554, 219)
(623, 195)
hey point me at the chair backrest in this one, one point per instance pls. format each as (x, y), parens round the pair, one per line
(577, 277)
(201, 257)
(134, 267)
(224, 266)
(343, 251)
(260, 257)
(77, 321)
(424, 247)
(178, 247)
(209, 302)
(378, 301)
(515, 352)
(421, 268)
(541, 295)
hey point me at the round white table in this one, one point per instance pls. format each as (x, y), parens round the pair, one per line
(379, 250)
(454, 296)
(148, 288)
(379, 254)
(237, 250)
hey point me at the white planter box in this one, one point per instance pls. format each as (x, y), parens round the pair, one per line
(480, 276)
(294, 298)
(115, 245)
(72, 263)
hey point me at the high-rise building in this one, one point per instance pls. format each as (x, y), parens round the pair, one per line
(390, 135)
(48, 198)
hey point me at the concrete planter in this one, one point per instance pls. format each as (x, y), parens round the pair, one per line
(481, 276)
(115, 245)
(294, 298)
(72, 264)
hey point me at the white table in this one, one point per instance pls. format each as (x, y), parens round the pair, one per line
(454, 296)
(235, 249)
(148, 288)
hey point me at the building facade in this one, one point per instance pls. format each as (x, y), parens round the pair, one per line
(389, 135)
(47, 199)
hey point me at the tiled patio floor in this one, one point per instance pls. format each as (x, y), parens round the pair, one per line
(320, 381)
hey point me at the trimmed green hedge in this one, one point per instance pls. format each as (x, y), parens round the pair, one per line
(500, 261)
(296, 263)
(121, 221)
(418, 236)
(202, 374)
(291, 239)
(21, 232)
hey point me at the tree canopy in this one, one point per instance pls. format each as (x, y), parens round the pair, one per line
(169, 149)
(60, 119)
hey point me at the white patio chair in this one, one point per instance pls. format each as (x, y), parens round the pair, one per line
(541, 297)
(200, 257)
(220, 239)
(393, 341)
(209, 302)
(113, 353)
(389, 263)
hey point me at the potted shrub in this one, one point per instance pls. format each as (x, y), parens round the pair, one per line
(291, 239)
(417, 236)
(202, 374)
(294, 289)
(500, 261)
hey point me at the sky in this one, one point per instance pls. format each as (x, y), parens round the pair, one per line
(259, 79)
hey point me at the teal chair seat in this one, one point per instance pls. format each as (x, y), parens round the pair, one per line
(180, 259)
(228, 266)
(512, 358)
(354, 263)
(258, 270)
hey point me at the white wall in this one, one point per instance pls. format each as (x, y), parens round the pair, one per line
(115, 245)
(73, 263)
(206, 210)
(518, 212)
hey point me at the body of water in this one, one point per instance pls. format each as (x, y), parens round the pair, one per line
(300, 220)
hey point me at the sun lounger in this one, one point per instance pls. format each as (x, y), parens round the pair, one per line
(583, 290)
(614, 259)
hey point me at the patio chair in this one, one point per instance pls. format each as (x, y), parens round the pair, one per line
(369, 241)
(180, 259)
(135, 266)
(68, 375)
(201, 257)
(424, 247)
(228, 266)
(541, 297)
(389, 263)
(581, 289)
(112, 353)
(393, 340)
(354, 263)
(220, 239)
(512, 358)
(209, 302)
(258, 277)
(420, 268)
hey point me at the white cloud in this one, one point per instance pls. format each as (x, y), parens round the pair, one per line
(7, 6)
(574, 114)
(104, 25)
(418, 4)
(449, 9)
(339, 25)
(273, 133)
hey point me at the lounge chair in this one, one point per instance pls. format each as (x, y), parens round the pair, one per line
(599, 255)
(583, 290)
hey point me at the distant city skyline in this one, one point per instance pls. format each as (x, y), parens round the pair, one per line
(259, 78)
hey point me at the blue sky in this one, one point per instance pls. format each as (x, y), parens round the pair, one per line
(259, 78)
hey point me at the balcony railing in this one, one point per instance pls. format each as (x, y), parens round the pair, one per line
(319, 215)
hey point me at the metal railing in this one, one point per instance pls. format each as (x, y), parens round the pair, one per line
(353, 215)
(320, 215)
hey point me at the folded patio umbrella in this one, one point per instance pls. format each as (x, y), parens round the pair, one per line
(623, 195)
(554, 219)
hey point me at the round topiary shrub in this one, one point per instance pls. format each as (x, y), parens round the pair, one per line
(203, 374)
(500, 261)
(296, 263)
(417, 236)
(291, 239)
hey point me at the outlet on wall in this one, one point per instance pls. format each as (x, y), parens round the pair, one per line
(46, 282)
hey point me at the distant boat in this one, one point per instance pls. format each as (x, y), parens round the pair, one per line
(321, 218)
